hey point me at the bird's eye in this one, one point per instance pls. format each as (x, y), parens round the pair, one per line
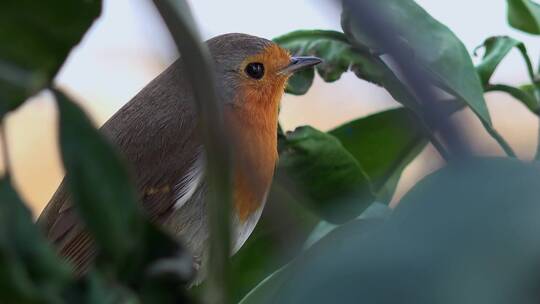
(255, 70)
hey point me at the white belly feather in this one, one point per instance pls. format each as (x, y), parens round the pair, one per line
(188, 186)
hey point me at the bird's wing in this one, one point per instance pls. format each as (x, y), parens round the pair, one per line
(157, 134)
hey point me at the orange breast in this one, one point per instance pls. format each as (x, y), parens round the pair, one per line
(254, 157)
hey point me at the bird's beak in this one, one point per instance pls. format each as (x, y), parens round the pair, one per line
(299, 63)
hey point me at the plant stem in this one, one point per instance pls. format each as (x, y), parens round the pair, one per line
(5, 151)
(537, 154)
(500, 140)
(197, 62)
(439, 147)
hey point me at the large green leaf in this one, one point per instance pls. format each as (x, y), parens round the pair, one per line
(100, 185)
(465, 234)
(496, 48)
(325, 235)
(432, 46)
(106, 201)
(29, 269)
(383, 144)
(524, 15)
(321, 173)
(35, 39)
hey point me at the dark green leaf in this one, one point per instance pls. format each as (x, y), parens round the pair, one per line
(321, 173)
(496, 48)
(383, 144)
(133, 249)
(101, 188)
(35, 39)
(432, 46)
(29, 268)
(95, 288)
(375, 211)
(300, 82)
(524, 15)
(465, 234)
(269, 289)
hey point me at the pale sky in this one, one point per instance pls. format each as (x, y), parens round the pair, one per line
(127, 47)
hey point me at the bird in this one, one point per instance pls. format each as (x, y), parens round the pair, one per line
(157, 134)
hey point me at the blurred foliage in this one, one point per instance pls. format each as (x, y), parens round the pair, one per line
(524, 15)
(30, 272)
(35, 39)
(465, 234)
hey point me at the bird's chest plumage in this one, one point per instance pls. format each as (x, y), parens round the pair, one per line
(254, 163)
(254, 150)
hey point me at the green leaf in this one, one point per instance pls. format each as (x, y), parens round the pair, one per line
(331, 46)
(383, 144)
(323, 228)
(131, 248)
(29, 268)
(101, 187)
(524, 15)
(264, 291)
(322, 174)
(35, 39)
(439, 246)
(496, 48)
(268, 290)
(300, 82)
(432, 46)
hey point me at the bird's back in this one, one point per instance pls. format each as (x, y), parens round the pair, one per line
(161, 121)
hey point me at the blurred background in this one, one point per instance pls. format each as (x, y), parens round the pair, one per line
(128, 46)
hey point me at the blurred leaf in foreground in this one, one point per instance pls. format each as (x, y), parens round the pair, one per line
(465, 234)
(524, 15)
(35, 39)
(30, 272)
(432, 46)
(101, 187)
(132, 248)
(269, 289)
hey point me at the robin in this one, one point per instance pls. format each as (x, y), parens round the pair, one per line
(157, 134)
